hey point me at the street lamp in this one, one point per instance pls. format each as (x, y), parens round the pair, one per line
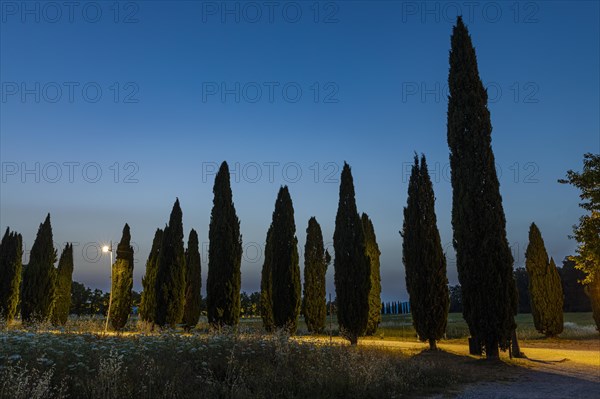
(109, 249)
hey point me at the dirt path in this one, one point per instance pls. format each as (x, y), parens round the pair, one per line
(546, 376)
(572, 371)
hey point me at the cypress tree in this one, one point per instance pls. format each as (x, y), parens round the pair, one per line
(170, 276)
(352, 272)
(424, 259)
(316, 259)
(483, 257)
(372, 252)
(64, 280)
(11, 253)
(122, 282)
(193, 282)
(266, 287)
(545, 288)
(224, 255)
(285, 270)
(39, 277)
(148, 303)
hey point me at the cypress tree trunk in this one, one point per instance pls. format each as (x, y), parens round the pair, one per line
(148, 303)
(122, 282)
(285, 271)
(515, 349)
(424, 259)
(483, 257)
(170, 277)
(39, 277)
(62, 305)
(592, 290)
(224, 256)
(193, 282)
(372, 252)
(316, 259)
(432, 345)
(11, 253)
(352, 266)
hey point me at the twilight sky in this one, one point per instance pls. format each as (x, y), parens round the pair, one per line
(108, 113)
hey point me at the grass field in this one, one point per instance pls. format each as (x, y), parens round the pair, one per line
(80, 361)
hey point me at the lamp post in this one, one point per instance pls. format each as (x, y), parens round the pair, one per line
(109, 249)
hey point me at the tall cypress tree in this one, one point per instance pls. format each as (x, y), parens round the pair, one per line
(170, 276)
(483, 257)
(285, 271)
(193, 282)
(39, 277)
(224, 255)
(372, 251)
(122, 282)
(352, 272)
(316, 259)
(266, 286)
(148, 303)
(64, 280)
(424, 259)
(11, 253)
(545, 288)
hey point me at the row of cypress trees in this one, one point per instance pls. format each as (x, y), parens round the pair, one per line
(281, 297)
(172, 282)
(42, 290)
(356, 266)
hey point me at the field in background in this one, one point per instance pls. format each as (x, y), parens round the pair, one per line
(393, 327)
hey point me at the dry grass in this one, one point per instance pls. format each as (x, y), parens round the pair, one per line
(225, 365)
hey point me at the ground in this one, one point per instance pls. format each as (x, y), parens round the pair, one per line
(80, 360)
(553, 368)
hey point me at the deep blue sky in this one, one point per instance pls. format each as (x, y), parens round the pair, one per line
(379, 73)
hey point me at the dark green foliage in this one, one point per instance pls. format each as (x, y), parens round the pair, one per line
(316, 259)
(250, 304)
(148, 304)
(64, 281)
(593, 291)
(352, 272)
(11, 252)
(586, 232)
(80, 299)
(193, 282)
(170, 276)
(372, 252)
(266, 287)
(285, 271)
(522, 281)
(455, 299)
(574, 293)
(224, 255)
(122, 282)
(545, 289)
(483, 257)
(424, 259)
(39, 277)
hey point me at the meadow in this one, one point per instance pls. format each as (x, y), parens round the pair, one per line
(79, 360)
